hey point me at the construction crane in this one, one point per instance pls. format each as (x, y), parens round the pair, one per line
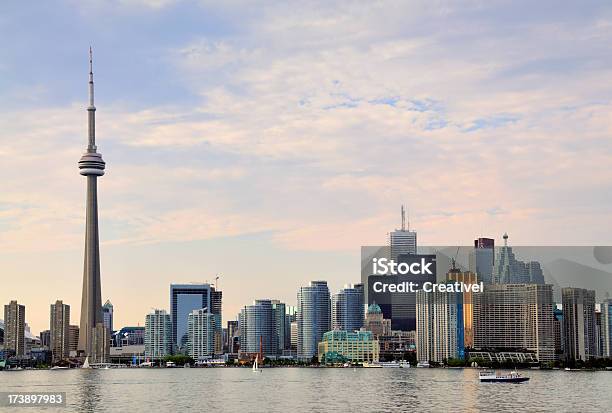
(454, 261)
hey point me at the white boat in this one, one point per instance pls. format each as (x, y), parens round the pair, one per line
(373, 365)
(423, 365)
(491, 376)
(86, 363)
(146, 364)
(60, 368)
(256, 367)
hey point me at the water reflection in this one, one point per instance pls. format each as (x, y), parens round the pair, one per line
(303, 389)
(88, 391)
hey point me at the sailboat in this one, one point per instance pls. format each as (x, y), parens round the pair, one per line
(86, 363)
(256, 367)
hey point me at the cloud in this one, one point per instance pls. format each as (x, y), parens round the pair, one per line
(300, 118)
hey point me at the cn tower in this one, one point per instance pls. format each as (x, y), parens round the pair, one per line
(91, 165)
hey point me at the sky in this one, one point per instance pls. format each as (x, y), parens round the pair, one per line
(266, 142)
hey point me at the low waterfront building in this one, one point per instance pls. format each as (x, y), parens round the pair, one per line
(397, 345)
(357, 347)
(518, 357)
(129, 354)
(128, 336)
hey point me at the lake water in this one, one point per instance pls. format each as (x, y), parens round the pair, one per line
(309, 389)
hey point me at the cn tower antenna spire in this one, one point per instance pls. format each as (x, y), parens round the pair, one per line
(91, 109)
(403, 219)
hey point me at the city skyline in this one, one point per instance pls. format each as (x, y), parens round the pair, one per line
(212, 130)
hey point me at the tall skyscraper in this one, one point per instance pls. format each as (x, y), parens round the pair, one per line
(483, 258)
(233, 337)
(158, 334)
(14, 328)
(515, 316)
(508, 270)
(281, 325)
(579, 323)
(606, 327)
(294, 335)
(91, 166)
(59, 328)
(313, 317)
(184, 298)
(348, 308)
(439, 326)
(201, 330)
(466, 277)
(258, 329)
(558, 332)
(107, 315)
(403, 241)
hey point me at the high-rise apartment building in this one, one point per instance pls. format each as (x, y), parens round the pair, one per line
(73, 340)
(294, 336)
(348, 308)
(579, 323)
(515, 316)
(281, 325)
(606, 328)
(258, 329)
(59, 328)
(439, 326)
(201, 330)
(158, 334)
(313, 317)
(14, 328)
